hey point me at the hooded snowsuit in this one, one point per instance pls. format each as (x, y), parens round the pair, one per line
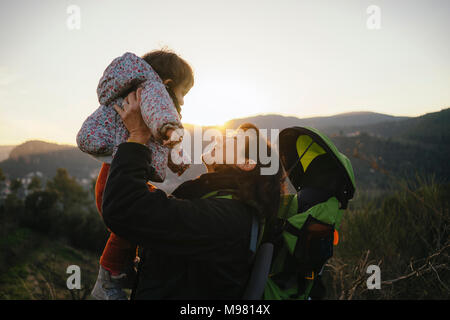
(104, 130)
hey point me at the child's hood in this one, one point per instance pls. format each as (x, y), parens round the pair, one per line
(122, 75)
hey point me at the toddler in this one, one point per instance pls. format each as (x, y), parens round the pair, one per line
(164, 79)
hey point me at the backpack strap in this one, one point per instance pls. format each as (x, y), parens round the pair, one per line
(254, 234)
(228, 194)
(288, 208)
(219, 194)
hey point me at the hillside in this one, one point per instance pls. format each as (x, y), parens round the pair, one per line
(402, 224)
(35, 147)
(35, 268)
(431, 128)
(5, 151)
(323, 123)
(377, 144)
(401, 145)
(44, 157)
(377, 160)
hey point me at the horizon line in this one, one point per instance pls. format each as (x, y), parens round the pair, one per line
(249, 116)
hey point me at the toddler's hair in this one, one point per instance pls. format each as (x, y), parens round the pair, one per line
(168, 65)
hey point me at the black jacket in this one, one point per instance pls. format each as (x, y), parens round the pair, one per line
(193, 248)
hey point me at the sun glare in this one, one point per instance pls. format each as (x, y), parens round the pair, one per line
(213, 102)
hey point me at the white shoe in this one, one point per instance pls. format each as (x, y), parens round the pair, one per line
(108, 287)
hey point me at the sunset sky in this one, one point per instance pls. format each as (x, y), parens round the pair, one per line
(301, 58)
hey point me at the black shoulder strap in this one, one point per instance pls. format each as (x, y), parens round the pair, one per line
(254, 234)
(228, 194)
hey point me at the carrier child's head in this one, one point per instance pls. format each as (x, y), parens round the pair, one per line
(175, 72)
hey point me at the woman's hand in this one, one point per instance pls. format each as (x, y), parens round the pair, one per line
(132, 118)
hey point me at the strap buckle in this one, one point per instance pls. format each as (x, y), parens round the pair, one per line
(310, 276)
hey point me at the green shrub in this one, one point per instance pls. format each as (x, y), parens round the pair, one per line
(406, 233)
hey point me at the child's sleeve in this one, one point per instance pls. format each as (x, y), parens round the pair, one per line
(158, 110)
(123, 75)
(97, 134)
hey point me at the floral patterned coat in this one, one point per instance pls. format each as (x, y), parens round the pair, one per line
(103, 131)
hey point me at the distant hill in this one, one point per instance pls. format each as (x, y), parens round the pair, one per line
(44, 157)
(4, 152)
(375, 143)
(34, 147)
(377, 159)
(401, 145)
(431, 127)
(336, 121)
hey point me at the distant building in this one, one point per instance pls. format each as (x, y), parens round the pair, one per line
(353, 134)
(4, 190)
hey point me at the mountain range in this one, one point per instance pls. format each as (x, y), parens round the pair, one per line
(322, 123)
(375, 143)
(5, 151)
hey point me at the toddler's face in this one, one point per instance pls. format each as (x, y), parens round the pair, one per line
(180, 91)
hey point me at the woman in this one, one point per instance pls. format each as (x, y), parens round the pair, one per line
(195, 246)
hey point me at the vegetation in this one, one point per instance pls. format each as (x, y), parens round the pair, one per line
(405, 233)
(397, 221)
(44, 233)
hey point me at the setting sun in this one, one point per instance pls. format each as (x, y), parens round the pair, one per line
(215, 99)
(293, 58)
(263, 131)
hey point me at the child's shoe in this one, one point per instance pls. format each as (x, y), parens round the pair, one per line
(108, 287)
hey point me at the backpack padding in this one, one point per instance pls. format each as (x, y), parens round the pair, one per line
(260, 272)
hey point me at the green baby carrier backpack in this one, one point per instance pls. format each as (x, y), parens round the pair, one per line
(295, 245)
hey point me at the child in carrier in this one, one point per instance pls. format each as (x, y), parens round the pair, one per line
(163, 79)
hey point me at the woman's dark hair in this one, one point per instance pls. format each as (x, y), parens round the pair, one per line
(168, 65)
(262, 191)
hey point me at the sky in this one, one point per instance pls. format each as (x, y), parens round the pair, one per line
(300, 58)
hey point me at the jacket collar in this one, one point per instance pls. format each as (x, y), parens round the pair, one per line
(208, 182)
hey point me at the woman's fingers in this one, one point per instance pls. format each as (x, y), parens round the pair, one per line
(130, 103)
(132, 119)
(138, 94)
(132, 98)
(119, 110)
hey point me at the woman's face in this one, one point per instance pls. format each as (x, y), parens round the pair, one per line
(215, 154)
(209, 155)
